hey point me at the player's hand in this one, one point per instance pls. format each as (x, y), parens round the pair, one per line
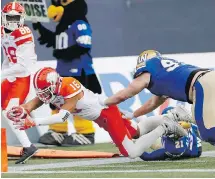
(127, 114)
(180, 113)
(16, 113)
(101, 99)
(46, 36)
(21, 118)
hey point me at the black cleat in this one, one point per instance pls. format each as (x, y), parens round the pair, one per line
(27, 153)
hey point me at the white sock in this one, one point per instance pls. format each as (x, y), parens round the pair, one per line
(144, 142)
(21, 135)
(148, 124)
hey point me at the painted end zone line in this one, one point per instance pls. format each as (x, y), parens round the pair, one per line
(119, 171)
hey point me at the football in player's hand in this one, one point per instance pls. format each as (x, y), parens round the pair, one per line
(16, 113)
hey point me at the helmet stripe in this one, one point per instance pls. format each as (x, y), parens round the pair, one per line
(35, 78)
(13, 5)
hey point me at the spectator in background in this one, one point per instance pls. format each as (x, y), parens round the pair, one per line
(63, 134)
(71, 42)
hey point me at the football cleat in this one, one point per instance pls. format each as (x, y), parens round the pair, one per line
(27, 153)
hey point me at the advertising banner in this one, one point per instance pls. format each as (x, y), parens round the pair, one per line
(36, 10)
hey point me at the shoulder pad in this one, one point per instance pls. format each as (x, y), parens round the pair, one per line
(70, 87)
(22, 35)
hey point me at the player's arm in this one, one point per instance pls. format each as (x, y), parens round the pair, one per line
(20, 115)
(32, 104)
(23, 121)
(150, 105)
(136, 86)
(63, 115)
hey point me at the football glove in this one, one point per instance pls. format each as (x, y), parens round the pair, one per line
(126, 114)
(20, 117)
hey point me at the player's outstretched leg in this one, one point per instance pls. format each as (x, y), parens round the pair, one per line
(112, 121)
(203, 106)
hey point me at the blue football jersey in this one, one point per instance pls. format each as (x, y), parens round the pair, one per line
(188, 146)
(168, 76)
(185, 147)
(77, 33)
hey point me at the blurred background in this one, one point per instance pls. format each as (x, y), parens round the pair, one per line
(127, 27)
(122, 29)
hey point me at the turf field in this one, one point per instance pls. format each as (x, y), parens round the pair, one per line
(114, 167)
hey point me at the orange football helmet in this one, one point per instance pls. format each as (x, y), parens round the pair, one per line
(46, 82)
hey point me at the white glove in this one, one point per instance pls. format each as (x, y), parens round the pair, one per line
(127, 114)
(180, 113)
(101, 99)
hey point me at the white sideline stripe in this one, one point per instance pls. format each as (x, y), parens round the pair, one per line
(119, 171)
(113, 166)
(74, 163)
(97, 162)
(208, 154)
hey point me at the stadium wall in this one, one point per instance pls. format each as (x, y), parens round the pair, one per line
(126, 27)
(114, 74)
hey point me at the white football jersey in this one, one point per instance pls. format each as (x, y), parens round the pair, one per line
(87, 107)
(18, 48)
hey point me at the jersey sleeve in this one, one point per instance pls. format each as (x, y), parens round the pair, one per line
(22, 35)
(70, 87)
(83, 33)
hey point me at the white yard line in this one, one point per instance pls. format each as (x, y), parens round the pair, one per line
(96, 163)
(74, 163)
(120, 171)
(208, 154)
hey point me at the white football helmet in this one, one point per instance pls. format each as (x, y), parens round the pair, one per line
(13, 16)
